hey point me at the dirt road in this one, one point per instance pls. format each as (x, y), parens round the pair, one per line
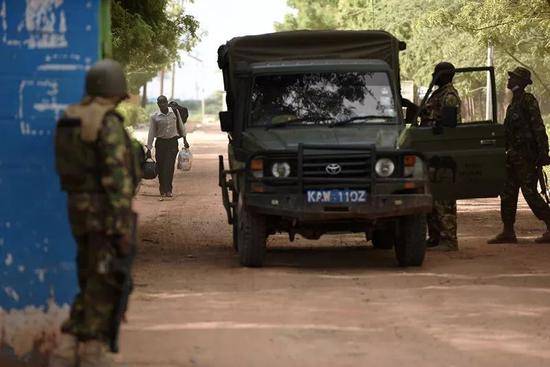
(334, 302)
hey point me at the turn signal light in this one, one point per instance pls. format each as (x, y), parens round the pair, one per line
(257, 165)
(257, 168)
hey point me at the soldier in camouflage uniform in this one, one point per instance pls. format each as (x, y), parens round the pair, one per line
(442, 220)
(526, 154)
(98, 168)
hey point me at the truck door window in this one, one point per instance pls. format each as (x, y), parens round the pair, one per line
(322, 98)
(472, 88)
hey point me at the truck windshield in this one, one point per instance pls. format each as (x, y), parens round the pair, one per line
(328, 98)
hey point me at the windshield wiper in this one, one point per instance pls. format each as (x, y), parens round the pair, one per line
(357, 118)
(301, 119)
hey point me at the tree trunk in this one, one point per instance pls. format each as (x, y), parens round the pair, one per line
(162, 82)
(144, 96)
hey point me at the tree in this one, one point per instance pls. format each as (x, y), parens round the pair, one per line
(517, 28)
(427, 42)
(147, 36)
(454, 30)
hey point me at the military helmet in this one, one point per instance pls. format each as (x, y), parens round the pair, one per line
(106, 79)
(522, 73)
(444, 68)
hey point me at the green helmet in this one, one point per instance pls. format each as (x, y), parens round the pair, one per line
(106, 79)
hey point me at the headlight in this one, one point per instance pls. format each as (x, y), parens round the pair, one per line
(384, 167)
(280, 169)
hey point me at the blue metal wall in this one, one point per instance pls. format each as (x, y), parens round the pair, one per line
(45, 48)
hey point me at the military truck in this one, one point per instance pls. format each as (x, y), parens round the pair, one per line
(318, 144)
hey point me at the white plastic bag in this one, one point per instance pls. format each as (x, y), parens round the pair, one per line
(185, 159)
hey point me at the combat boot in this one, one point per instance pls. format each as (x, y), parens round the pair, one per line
(444, 246)
(94, 353)
(66, 352)
(545, 238)
(506, 236)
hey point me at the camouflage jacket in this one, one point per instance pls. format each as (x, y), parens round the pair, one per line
(101, 156)
(526, 136)
(445, 96)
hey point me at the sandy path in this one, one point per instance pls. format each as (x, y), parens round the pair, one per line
(334, 302)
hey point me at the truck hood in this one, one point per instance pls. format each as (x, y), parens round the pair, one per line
(384, 137)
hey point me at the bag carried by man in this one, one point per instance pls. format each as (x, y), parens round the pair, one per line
(185, 159)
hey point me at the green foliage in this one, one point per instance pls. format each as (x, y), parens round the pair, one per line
(454, 30)
(133, 114)
(312, 14)
(517, 28)
(147, 35)
(406, 19)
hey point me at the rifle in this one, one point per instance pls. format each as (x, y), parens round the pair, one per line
(122, 266)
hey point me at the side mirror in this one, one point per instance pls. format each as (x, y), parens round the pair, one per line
(226, 121)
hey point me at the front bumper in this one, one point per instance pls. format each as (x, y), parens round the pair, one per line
(376, 207)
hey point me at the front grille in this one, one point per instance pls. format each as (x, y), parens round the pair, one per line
(350, 166)
(342, 168)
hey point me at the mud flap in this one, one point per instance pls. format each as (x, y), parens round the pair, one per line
(225, 186)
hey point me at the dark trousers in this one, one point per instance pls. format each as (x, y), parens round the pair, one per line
(92, 311)
(166, 151)
(521, 175)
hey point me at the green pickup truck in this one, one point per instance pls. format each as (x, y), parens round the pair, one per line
(318, 144)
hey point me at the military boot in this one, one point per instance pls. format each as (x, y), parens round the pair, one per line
(506, 236)
(444, 246)
(545, 238)
(95, 353)
(66, 352)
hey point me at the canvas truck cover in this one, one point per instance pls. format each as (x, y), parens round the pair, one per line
(305, 45)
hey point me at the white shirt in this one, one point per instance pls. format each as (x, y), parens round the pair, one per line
(163, 126)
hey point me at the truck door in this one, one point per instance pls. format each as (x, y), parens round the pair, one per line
(466, 161)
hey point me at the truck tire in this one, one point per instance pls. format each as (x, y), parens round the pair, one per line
(235, 223)
(410, 245)
(383, 239)
(251, 237)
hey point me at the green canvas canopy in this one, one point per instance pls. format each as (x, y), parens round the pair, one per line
(305, 45)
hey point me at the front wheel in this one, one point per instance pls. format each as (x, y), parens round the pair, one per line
(251, 237)
(410, 245)
(383, 239)
(235, 225)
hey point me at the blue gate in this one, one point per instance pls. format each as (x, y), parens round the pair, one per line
(46, 47)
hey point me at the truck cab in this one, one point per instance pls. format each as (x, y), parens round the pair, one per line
(318, 144)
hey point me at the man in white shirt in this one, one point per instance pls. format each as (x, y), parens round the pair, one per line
(167, 127)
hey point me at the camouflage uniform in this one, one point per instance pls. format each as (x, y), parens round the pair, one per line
(526, 143)
(442, 226)
(96, 161)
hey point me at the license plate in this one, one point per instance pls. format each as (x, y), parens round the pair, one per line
(336, 196)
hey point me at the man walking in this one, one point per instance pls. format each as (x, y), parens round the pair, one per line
(442, 228)
(97, 165)
(526, 153)
(166, 126)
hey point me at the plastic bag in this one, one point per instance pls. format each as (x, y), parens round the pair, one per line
(185, 160)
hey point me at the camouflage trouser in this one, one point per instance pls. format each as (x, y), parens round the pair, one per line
(94, 306)
(521, 174)
(442, 222)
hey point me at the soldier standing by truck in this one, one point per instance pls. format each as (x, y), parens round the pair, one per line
(99, 169)
(526, 154)
(442, 228)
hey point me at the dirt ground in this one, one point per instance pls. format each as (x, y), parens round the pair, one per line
(333, 302)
